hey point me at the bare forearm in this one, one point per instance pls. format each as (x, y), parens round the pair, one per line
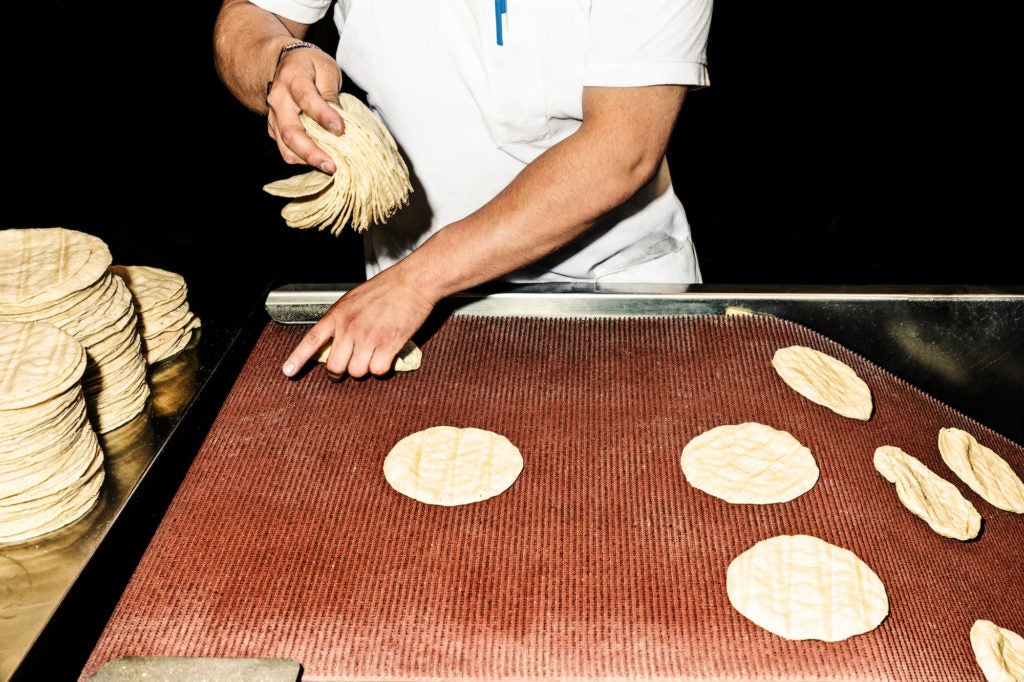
(247, 41)
(554, 200)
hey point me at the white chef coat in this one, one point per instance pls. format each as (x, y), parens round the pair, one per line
(468, 114)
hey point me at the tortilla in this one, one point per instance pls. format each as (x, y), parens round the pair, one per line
(801, 587)
(984, 471)
(998, 651)
(450, 466)
(165, 321)
(40, 265)
(824, 380)
(369, 186)
(51, 463)
(62, 277)
(928, 495)
(749, 463)
(40, 362)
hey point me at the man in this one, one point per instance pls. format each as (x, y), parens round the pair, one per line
(536, 130)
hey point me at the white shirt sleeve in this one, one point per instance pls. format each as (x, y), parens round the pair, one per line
(647, 42)
(301, 11)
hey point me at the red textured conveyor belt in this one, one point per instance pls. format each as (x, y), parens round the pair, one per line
(600, 562)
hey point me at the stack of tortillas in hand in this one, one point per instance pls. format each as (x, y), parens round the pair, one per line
(371, 182)
(166, 322)
(62, 276)
(51, 464)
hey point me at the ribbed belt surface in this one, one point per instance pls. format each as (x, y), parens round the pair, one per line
(600, 562)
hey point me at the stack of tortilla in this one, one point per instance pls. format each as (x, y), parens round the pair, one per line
(62, 276)
(166, 322)
(51, 464)
(371, 182)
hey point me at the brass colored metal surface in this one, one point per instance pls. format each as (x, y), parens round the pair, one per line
(36, 574)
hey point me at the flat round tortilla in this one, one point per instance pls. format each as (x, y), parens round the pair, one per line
(165, 321)
(41, 265)
(40, 363)
(998, 651)
(824, 380)
(63, 277)
(801, 587)
(450, 466)
(749, 463)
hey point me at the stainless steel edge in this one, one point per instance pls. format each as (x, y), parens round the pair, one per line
(960, 344)
(306, 303)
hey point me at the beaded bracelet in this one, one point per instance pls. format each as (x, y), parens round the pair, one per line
(294, 46)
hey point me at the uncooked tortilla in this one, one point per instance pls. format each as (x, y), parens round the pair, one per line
(982, 469)
(998, 651)
(801, 587)
(928, 495)
(824, 380)
(450, 466)
(749, 463)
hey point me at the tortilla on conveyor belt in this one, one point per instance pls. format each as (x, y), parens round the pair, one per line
(370, 184)
(928, 495)
(981, 468)
(998, 651)
(749, 463)
(450, 466)
(824, 380)
(801, 587)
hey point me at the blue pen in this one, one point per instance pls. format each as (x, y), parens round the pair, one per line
(499, 11)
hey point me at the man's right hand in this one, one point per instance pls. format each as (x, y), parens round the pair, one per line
(305, 80)
(251, 59)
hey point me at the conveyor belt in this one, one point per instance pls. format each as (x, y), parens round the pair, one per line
(600, 562)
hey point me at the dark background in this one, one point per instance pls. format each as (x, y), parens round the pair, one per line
(836, 145)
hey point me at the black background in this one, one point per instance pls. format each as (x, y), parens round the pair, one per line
(837, 144)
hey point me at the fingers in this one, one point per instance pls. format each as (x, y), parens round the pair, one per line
(297, 147)
(345, 356)
(367, 328)
(338, 361)
(360, 360)
(381, 362)
(315, 339)
(306, 81)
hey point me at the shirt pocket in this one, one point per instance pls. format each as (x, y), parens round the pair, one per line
(535, 78)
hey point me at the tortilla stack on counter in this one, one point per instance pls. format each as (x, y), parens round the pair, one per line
(166, 321)
(51, 463)
(62, 276)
